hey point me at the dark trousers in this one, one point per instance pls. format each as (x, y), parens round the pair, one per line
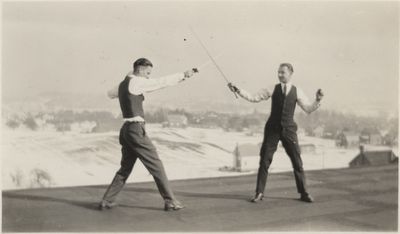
(288, 137)
(136, 144)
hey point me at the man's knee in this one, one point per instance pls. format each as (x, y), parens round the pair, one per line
(265, 161)
(298, 168)
(154, 165)
(157, 168)
(124, 173)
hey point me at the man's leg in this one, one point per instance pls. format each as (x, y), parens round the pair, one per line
(127, 163)
(291, 145)
(145, 150)
(152, 162)
(268, 148)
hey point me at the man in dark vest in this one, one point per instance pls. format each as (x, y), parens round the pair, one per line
(281, 127)
(133, 137)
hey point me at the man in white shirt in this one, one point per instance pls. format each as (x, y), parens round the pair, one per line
(281, 127)
(133, 137)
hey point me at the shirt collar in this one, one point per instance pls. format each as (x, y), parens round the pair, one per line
(288, 85)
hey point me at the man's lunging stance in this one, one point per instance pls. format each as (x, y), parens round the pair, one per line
(281, 127)
(133, 137)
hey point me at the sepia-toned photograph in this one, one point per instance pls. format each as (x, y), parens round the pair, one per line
(199, 116)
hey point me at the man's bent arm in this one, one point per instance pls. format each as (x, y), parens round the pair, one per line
(113, 93)
(263, 94)
(139, 85)
(304, 102)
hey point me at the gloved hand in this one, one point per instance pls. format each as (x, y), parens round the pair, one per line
(233, 88)
(319, 95)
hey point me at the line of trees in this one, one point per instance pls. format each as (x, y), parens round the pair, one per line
(335, 122)
(332, 121)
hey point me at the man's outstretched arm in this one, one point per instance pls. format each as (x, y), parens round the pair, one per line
(263, 94)
(304, 102)
(139, 85)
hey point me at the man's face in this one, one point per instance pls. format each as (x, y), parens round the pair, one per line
(284, 74)
(144, 71)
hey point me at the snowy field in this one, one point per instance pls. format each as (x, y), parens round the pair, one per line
(52, 159)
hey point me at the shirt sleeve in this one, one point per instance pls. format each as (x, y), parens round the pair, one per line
(113, 93)
(263, 94)
(304, 102)
(139, 85)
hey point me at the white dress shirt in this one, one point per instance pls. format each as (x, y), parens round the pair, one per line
(266, 93)
(140, 85)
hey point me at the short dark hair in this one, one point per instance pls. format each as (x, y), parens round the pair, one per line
(142, 62)
(288, 65)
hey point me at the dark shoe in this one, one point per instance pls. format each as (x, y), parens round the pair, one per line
(106, 205)
(258, 197)
(173, 205)
(306, 198)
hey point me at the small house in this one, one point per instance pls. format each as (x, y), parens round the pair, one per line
(175, 120)
(245, 156)
(347, 140)
(374, 157)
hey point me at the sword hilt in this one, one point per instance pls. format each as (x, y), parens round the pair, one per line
(234, 90)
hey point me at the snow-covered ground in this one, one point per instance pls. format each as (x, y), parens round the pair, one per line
(37, 159)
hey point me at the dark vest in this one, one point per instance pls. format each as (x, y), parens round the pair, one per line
(282, 108)
(131, 105)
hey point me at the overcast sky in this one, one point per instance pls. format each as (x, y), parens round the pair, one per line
(349, 49)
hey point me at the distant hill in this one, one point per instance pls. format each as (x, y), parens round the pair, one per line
(52, 159)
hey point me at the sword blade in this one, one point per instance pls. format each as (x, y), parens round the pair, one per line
(209, 55)
(211, 58)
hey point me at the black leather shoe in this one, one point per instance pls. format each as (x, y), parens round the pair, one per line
(106, 205)
(306, 198)
(173, 205)
(258, 197)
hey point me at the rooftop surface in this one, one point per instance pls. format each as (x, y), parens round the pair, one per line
(356, 199)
